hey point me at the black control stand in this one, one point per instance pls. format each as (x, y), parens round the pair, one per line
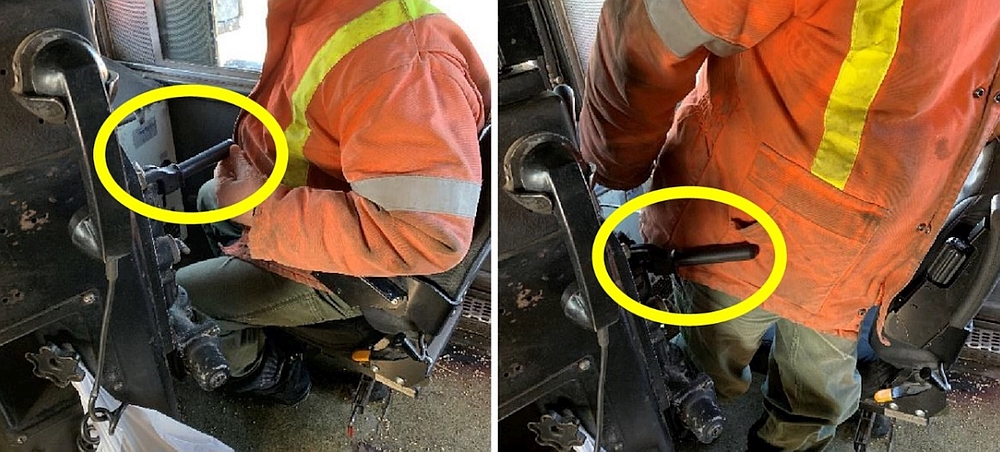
(693, 404)
(195, 338)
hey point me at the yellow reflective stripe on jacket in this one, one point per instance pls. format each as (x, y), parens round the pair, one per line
(384, 17)
(874, 36)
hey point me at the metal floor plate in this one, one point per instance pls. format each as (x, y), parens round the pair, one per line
(476, 308)
(983, 346)
(474, 328)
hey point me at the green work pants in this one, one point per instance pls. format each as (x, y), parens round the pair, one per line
(812, 384)
(243, 298)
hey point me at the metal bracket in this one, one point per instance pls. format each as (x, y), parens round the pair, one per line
(60, 77)
(545, 174)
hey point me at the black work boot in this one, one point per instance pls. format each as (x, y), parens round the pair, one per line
(279, 376)
(754, 442)
(881, 424)
(881, 427)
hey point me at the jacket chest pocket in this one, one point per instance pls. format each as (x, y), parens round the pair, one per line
(825, 229)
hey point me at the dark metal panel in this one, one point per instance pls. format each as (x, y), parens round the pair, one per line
(537, 341)
(200, 124)
(545, 359)
(18, 19)
(37, 200)
(197, 125)
(519, 225)
(44, 278)
(519, 42)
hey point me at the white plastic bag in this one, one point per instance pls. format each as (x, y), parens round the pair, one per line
(143, 429)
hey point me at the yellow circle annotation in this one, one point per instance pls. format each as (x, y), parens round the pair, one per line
(202, 91)
(696, 319)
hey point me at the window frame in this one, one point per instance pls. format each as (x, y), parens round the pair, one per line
(172, 71)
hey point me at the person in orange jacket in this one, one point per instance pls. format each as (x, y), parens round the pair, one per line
(852, 123)
(382, 102)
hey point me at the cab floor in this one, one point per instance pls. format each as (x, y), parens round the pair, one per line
(453, 413)
(971, 422)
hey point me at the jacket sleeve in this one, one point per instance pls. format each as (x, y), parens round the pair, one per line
(409, 141)
(645, 60)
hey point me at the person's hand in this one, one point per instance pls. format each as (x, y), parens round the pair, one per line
(237, 179)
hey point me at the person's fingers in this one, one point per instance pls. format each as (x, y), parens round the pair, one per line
(221, 192)
(261, 161)
(230, 166)
(248, 168)
(242, 165)
(225, 169)
(245, 155)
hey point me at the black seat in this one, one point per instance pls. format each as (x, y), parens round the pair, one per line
(929, 320)
(418, 314)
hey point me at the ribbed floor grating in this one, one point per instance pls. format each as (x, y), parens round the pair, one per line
(983, 346)
(476, 308)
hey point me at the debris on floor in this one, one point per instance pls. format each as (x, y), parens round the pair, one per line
(970, 420)
(453, 413)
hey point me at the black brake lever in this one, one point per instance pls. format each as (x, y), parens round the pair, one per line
(170, 178)
(664, 261)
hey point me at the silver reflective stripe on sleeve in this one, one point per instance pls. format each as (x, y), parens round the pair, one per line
(421, 194)
(679, 31)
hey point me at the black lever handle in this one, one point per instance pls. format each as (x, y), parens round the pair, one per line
(170, 178)
(715, 254)
(205, 159)
(664, 261)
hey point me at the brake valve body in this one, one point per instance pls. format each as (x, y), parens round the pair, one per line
(197, 342)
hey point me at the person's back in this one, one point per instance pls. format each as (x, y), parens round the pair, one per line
(852, 123)
(382, 103)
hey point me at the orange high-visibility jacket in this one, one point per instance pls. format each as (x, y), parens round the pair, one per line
(382, 103)
(853, 123)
